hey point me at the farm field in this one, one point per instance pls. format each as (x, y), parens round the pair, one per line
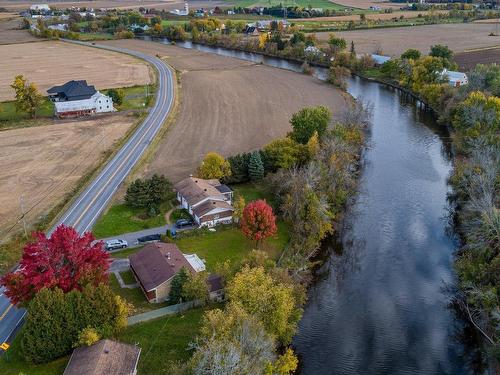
(370, 16)
(118, 4)
(468, 60)
(419, 37)
(10, 32)
(365, 4)
(44, 165)
(228, 106)
(54, 63)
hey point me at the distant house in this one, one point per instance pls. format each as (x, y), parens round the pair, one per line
(40, 8)
(208, 201)
(105, 357)
(154, 267)
(183, 12)
(455, 79)
(251, 30)
(58, 27)
(77, 98)
(379, 59)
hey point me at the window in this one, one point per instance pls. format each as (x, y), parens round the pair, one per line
(107, 106)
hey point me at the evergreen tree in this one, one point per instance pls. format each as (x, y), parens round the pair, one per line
(255, 166)
(177, 284)
(353, 51)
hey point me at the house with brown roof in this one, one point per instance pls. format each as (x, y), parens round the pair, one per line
(208, 201)
(154, 267)
(105, 357)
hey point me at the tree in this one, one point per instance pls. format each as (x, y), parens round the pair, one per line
(239, 206)
(413, 54)
(214, 166)
(271, 302)
(195, 287)
(255, 166)
(309, 120)
(336, 44)
(177, 284)
(117, 95)
(56, 321)
(232, 342)
(263, 38)
(337, 75)
(87, 336)
(28, 98)
(285, 153)
(66, 260)
(149, 193)
(286, 364)
(353, 50)
(439, 50)
(313, 145)
(239, 168)
(258, 221)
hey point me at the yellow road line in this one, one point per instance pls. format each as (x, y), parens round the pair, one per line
(6, 311)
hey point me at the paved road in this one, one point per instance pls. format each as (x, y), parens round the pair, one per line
(86, 208)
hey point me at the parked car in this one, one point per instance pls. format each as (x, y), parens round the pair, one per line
(115, 244)
(149, 238)
(184, 223)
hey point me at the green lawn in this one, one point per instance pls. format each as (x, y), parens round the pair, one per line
(164, 340)
(128, 277)
(125, 253)
(135, 97)
(121, 219)
(252, 191)
(133, 296)
(230, 244)
(8, 111)
(12, 362)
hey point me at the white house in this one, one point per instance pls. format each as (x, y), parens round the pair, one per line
(208, 201)
(97, 103)
(455, 79)
(379, 59)
(183, 12)
(40, 7)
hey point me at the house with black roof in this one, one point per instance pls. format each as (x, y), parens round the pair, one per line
(72, 90)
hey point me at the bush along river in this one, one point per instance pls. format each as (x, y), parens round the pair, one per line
(381, 301)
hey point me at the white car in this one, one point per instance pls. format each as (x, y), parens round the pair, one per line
(115, 244)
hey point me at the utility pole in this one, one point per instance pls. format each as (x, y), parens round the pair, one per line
(23, 218)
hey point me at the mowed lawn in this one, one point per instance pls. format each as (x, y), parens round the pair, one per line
(164, 340)
(230, 244)
(8, 111)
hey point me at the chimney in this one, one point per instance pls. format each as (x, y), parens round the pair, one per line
(168, 255)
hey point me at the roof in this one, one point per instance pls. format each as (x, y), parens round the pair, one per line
(195, 261)
(455, 75)
(223, 188)
(194, 189)
(73, 88)
(105, 357)
(380, 59)
(158, 262)
(211, 205)
(215, 282)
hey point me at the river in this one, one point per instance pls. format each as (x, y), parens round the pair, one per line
(380, 303)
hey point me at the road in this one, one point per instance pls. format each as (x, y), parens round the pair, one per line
(85, 210)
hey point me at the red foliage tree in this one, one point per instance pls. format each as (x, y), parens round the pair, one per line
(65, 260)
(258, 221)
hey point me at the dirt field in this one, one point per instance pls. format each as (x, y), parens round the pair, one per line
(52, 63)
(419, 37)
(365, 4)
(370, 16)
(115, 4)
(43, 164)
(11, 34)
(229, 106)
(468, 60)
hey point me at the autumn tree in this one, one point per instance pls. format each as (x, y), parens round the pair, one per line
(232, 341)
(336, 44)
(87, 336)
(285, 153)
(258, 221)
(271, 302)
(214, 166)
(309, 120)
(239, 206)
(411, 54)
(195, 287)
(28, 98)
(65, 260)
